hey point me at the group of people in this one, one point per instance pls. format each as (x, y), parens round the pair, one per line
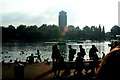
(56, 52)
(30, 59)
(58, 57)
(107, 68)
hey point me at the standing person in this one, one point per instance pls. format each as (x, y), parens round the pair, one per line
(55, 53)
(38, 57)
(82, 51)
(72, 52)
(94, 64)
(92, 51)
(59, 66)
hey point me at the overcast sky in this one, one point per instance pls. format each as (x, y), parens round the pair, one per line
(79, 12)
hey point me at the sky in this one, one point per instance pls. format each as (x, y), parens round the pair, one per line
(79, 12)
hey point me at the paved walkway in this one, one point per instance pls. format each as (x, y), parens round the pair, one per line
(35, 71)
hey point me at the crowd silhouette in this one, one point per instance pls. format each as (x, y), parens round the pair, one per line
(103, 68)
(57, 57)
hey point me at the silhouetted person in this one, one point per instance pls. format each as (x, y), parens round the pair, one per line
(72, 52)
(30, 59)
(38, 57)
(110, 66)
(92, 51)
(79, 64)
(95, 63)
(114, 44)
(82, 51)
(55, 53)
(59, 66)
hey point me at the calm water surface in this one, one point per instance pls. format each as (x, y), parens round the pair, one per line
(12, 51)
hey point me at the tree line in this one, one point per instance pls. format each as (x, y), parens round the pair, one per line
(53, 32)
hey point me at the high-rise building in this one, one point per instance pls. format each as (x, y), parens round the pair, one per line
(62, 19)
(119, 13)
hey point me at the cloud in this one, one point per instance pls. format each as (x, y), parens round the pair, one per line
(17, 18)
(79, 12)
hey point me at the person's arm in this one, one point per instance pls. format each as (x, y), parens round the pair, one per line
(103, 55)
(96, 49)
(84, 52)
(28, 57)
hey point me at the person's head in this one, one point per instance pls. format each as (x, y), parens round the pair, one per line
(110, 66)
(54, 46)
(69, 46)
(37, 50)
(31, 54)
(80, 46)
(93, 46)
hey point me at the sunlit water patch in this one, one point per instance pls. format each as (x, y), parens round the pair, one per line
(12, 51)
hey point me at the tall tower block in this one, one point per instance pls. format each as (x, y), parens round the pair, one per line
(62, 19)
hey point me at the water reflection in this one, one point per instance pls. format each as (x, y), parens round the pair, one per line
(13, 49)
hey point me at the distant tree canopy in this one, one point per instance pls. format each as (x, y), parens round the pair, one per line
(46, 32)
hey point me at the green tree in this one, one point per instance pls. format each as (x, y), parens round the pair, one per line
(115, 30)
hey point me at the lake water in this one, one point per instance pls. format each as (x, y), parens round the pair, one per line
(12, 51)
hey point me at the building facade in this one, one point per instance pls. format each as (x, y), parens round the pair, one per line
(62, 19)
